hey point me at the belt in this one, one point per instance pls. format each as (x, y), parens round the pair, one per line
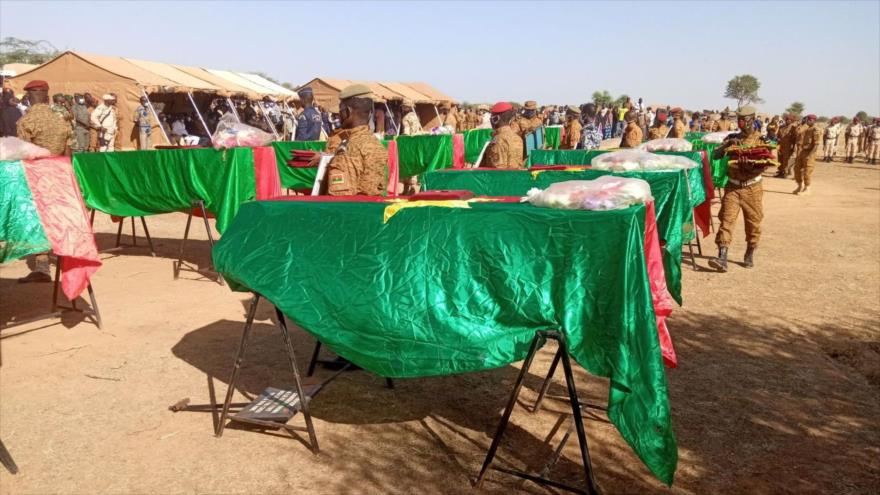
(744, 183)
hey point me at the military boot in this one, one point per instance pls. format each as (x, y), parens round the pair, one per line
(748, 260)
(798, 190)
(720, 263)
(805, 191)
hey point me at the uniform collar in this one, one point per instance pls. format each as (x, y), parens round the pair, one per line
(361, 129)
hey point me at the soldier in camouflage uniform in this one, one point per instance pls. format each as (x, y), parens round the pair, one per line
(679, 128)
(809, 141)
(359, 164)
(786, 139)
(743, 191)
(506, 148)
(659, 130)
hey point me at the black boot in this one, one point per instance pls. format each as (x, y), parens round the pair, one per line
(749, 261)
(720, 263)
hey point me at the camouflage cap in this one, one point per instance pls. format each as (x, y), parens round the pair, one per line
(531, 105)
(746, 112)
(355, 90)
(407, 102)
(573, 109)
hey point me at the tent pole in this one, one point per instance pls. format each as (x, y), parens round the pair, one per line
(155, 116)
(232, 109)
(292, 115)
(391, 116)
(202, 120)
(269, 121)
(439, 119)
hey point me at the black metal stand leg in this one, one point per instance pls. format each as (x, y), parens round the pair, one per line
(94, 303)
(119, 232)
(699, 243)
(242, 346)
(282, 324)
(179, 261)
(92, 218)
(311, 370)
(201, 205)
(147, 235)
(6, 459)
(56, 284)
(591, 488)
(389, 383)
(537, 342)
(578, 422)
(693, 258)
(548, 380)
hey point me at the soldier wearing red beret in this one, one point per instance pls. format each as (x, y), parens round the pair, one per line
(506, 148)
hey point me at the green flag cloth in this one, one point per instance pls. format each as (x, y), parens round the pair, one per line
(138, 183)
(718, 165)
(668, 188)
(298, 177)
(439, 291)
(552, 137)
(474, 140)
(420, 154)
(21, 232)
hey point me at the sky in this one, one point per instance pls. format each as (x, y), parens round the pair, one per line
(824, 54)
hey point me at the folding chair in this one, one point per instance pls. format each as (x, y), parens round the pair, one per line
(198, 210)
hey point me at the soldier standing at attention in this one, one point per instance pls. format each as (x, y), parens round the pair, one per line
(659, 130)
(572, 129)
(679, 128)
(724, 124)
(506, 148)
(528, 121)
(787, 138)
(831, 134)
(873, 139)
(42, 127)
(359, 163)
(742, 192)
(852, 136)
(309, 122)
(104, 120)
(142, 123)
(59, 107)
(632, 133)
(80, 124)
(411, 124)
(809, 142)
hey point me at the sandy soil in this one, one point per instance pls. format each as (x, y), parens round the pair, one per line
(777, 390)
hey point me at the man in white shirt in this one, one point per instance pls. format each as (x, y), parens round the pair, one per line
(104, 120)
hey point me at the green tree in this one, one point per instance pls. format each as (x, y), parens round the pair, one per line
(863, 116)
(743, 89)
(796, 108)
(601, 98)
(621, 100)
(822, 119)
(14, 50)
(844, 120)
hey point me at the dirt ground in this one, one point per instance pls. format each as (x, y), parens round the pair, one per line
(776, 392)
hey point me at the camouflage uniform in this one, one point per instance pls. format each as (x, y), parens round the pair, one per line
(658, 131)
(873, 138)
(42, 127)
(853, 136)
(411, 124)
(743, 192)
(632, 136)
(808, 144)
(80, 127)
(505, 150)
(787, 137)
(679, 129)
(572, 131)
(358, 166)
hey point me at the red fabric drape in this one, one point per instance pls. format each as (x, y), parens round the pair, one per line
(458, 151)
(63, 216)
(393, 168)
(659, 293)
(703, 211)
(266, 173)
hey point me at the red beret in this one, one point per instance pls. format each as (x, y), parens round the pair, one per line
(501, 107)
(37, 86)
(811, 117)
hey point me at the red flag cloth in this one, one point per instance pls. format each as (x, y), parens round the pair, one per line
(659, 293)
(458, 151)
(393, 168)
(266, 173)
(703, 211)
(63, 215)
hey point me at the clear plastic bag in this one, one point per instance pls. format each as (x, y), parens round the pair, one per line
(12, 149)
(716, 137)
(667, 144)
(638, 160)
(230, 134)
(605, 193)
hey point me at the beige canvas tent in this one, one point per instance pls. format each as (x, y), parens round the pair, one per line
(129, 79)
(327, 91)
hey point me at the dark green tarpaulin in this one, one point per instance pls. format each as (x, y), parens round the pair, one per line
(21, 232)
(668, 188)
(552, 137)
(439, 291)
(138, 183)
(298, 177)
(420, 154)
(474, 140)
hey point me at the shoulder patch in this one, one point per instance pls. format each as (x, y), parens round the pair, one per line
(337, 179)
